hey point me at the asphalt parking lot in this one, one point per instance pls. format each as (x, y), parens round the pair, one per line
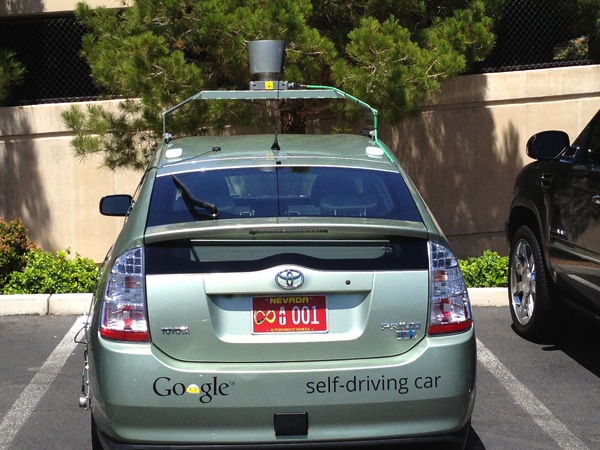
(529, 395)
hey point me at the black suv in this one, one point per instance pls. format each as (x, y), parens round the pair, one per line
(554, 231)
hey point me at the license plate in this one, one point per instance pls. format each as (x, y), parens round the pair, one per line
(289, 314)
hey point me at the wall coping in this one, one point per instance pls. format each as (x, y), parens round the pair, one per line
(516, 87)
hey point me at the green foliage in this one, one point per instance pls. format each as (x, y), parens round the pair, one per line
(488, 270)
(161, 53)
(395, 67)
(26, 269)
(46, 273)
(391, 54)
(14, 246)
(582, 21)
(12, 73)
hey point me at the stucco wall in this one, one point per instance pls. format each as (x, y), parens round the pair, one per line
(55, 193)
(36, 7)
(463, 151)
(466, 146)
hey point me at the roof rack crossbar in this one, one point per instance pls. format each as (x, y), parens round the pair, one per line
(305, 92)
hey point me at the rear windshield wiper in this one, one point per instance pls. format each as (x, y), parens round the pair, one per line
(192, 202)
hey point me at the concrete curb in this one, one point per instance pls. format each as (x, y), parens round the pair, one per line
(45, 304)
(489, 296)
(79, 304)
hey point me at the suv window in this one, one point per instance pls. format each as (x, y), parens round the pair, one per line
(280, 192)
(589, 141)
(593, 153)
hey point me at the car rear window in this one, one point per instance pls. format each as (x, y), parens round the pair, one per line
(280, 192)
(196, 256)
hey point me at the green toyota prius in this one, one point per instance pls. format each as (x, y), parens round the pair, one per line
(278, 291)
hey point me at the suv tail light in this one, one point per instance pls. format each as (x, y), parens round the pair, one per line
(449, 306)
(123, 315)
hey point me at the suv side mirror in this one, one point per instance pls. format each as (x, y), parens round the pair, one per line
(116, 205)
(548, 145)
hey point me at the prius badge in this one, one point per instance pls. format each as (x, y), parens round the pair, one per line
(404, 330)
(289, 279)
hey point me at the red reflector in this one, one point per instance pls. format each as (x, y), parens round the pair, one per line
(450, 327)
(120, 335)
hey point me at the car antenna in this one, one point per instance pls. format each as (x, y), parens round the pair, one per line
(275, 145)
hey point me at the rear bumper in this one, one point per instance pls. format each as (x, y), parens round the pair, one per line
(142, 399)
(456, 440)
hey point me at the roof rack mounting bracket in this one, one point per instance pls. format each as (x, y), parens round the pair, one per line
(280, 90)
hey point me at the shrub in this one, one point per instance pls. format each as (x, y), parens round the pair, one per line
(14, 246)
(488, 270)
(46, 273)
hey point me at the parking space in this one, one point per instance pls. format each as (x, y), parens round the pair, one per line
(536, 395)
(529, 395)
(39, 382)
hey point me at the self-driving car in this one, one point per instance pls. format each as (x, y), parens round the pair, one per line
(278, 291)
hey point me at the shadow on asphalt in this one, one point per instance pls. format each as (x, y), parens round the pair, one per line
(580, 340)
(474, 442)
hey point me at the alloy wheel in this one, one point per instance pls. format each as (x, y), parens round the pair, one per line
(523, 282)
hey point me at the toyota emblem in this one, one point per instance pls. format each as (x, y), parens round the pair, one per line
(289, 279)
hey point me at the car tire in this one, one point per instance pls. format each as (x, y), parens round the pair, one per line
(530, 297)
(96, 444)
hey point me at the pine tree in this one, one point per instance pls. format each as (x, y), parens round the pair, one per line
(12, 73)
(155, 54)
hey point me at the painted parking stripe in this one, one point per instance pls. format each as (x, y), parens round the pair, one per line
(22, 408)
(528, 401)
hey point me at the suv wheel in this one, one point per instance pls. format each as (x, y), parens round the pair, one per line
(529, 294)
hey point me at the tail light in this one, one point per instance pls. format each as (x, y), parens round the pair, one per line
(123, 315)
(449, 306)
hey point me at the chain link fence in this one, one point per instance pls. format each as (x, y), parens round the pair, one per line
(537, 34)
(49, 47)
(531, 34)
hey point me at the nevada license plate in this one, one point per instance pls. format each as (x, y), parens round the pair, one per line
(289, 314)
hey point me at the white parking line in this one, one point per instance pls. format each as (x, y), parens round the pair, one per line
(529, 402)
(22, 408)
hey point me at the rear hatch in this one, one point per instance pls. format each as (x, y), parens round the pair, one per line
(287, 299)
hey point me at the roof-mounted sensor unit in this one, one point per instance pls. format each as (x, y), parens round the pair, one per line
(266, 61)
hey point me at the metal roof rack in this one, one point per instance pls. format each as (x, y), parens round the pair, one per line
(266, 60)
(304, 92)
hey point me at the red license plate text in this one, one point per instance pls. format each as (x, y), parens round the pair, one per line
(289, 314)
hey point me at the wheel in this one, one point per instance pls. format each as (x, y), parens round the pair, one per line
(531, 303)
(96, 444)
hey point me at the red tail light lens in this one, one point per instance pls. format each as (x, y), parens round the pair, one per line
(449, 305)
(123, 315)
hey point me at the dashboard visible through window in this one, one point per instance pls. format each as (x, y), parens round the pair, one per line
(280, 192)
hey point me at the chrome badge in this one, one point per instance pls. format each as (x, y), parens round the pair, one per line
(403, 330)
(289, 279)
(175, 331)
